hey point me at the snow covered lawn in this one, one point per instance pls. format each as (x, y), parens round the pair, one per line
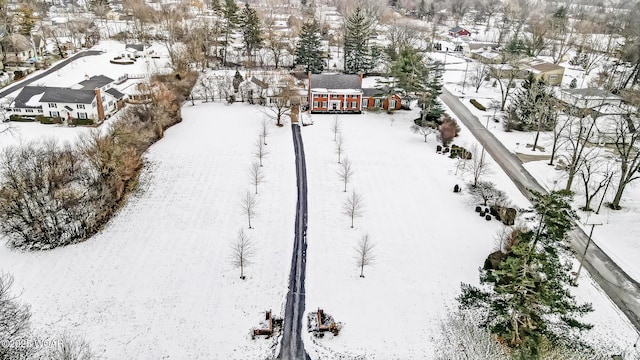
(157, 283)
(428, 240)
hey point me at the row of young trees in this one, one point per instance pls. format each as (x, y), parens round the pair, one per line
(56, 194)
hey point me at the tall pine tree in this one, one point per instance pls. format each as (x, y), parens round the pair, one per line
(525, 298)
(357, 52)
(229, 12)
(308, 53)
(251, 30)
(428, 100)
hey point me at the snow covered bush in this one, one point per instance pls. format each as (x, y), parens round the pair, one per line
(54, 195)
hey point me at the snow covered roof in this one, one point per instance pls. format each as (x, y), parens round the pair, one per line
(538, 66)
(34, 96)
(115, 93)
(96, 81)
(335, 82)
(592, 93)
(29, 97)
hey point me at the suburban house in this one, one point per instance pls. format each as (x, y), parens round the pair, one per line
(254, 90)
(337, 93)
(379, 98)
(17, 51)
(134, 51)
(486, 55)
(458, 31)
(550, 73)
(92, 99)
(589, 98)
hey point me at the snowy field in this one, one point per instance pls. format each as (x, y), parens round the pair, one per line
(427, 238)
(157, 283)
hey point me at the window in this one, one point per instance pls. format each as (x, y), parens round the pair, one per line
(392, 104)
(17, 110)
(553, 76)
(325, 96)
(93, 104)
(54, 113)
(376, 103)
(82, 115)
(324, 104)
(52, 105)
(354, 104)
(80, 106)
(103, 98)
(334, 96)
(365, 103)
(315, 104)
(28, 110)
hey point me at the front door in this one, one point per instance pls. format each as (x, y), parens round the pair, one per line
(334, 106)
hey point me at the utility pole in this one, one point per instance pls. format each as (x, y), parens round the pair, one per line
(593, 221)
(464, 81)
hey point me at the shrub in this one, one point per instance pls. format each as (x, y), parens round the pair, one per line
(478, 209)
(478, 105)
(449, 129)
(20, 118)
(488, 217)
(83, 121)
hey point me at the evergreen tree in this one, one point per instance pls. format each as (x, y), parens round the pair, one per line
(530, 106)
(251, 32)
(422, 9)
(308, 52)
(357, 53)
(229, 11)
(410, 71)
(431, 108)
(525, 298)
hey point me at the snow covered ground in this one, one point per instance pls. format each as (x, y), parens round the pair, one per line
(620, 231)
(427, 238)
(157, 281)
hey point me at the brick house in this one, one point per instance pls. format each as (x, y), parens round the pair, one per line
(379, 98)
(337, 93)
(459, 31)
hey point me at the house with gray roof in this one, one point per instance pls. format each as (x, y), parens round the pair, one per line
(335, 93)
(86, 100)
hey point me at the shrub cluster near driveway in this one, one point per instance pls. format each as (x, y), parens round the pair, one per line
(53, 195)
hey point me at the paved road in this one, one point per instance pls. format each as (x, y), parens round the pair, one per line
(56, 67)
(620, 287)
(292, 347)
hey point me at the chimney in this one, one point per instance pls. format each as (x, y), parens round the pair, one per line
(360, 79)
(99, 104)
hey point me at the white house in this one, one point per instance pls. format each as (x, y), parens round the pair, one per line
(94, 99)
(589, 98)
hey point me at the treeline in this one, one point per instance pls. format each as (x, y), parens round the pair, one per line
(55, 194)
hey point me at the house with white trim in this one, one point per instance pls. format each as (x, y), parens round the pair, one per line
(336, 93)
(93, 99)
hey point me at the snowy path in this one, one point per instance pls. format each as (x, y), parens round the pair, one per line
(292, 345)
(157, 282)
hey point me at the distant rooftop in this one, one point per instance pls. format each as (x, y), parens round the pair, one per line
(96, 81)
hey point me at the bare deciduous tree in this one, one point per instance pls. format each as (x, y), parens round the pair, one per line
(242, 249)
(71, 348)
(248, 203)
(14, 321)
(596, 174)
(339, 148)
(479, 75)
(477, 165)
(364, 253)
(255, 174)
(627, 145)
(345, 172)
(354, 206)
(505, 75)
(265, 130)
(260, 149)
(487, 194)
(424, 128)
(336, 127)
